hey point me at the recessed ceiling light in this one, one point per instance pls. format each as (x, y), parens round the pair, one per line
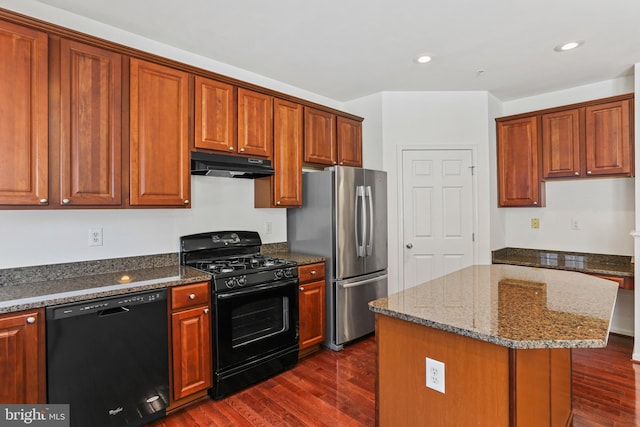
(568, 46)
(423, 58)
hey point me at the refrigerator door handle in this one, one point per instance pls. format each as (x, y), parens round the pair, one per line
(369, 241)
(362, 282)
(359, 239)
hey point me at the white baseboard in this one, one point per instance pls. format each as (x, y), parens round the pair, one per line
(623, 331)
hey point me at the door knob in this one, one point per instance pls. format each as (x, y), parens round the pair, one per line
(409, 245)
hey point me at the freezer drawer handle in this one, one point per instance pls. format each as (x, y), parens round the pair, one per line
(364, 282)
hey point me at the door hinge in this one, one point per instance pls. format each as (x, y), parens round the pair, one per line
(473, 168)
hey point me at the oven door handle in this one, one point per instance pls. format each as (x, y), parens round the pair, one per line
(256, 289)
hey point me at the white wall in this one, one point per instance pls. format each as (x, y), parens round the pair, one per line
(45, 237)
(430, 119)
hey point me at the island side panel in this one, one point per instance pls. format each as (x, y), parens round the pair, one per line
(476, 377)
(541, 387)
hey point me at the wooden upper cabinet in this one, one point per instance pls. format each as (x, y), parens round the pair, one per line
(561, 144)
(608, 142)
(320, 137)
(90, 144)
(519, 163)
(215, 115)
(284, 189)
(22, 357)
(24, 119)
(159, 131)
(349, 133)
(255, 123)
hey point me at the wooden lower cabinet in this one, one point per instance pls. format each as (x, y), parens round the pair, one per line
(312, 307)
(22, 357)
(623, 282)
(190, 337)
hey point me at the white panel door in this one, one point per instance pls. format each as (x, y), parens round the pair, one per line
(437, 204)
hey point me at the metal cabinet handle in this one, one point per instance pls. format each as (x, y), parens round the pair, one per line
(301, 288)
(65, 201)
(206, 311)
(186, 202)
(313, 272)
(43, 201)
(230, 148)
(192, 296)
(242, 149)
(31, 320)
(588, 172)
(577, 173)
(409, 245)
(535, 203)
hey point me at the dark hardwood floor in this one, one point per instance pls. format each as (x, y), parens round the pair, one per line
(338, 389)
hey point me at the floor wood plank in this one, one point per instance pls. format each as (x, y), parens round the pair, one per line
(338, 389)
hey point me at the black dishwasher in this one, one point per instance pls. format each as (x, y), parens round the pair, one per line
(108, 359)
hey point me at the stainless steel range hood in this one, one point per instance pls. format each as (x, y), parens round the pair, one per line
(210, 164)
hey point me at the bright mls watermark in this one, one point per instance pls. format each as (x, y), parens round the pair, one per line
(34, 415)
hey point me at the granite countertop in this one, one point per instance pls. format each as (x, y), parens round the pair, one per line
(26, 288)
(281, 250)
(512, 306)
(614, 265)
(301, 259)
(33, 287)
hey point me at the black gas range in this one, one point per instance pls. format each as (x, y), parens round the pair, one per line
(255, 307)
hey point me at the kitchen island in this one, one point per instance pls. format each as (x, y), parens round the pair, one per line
(504, 334)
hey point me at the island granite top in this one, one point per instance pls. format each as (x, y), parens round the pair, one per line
(512, 306)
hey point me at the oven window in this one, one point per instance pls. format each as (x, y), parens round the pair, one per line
(258, 320)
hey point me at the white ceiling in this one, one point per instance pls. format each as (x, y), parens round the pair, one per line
(345, 49)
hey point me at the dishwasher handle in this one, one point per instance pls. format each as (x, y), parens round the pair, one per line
(112, 311)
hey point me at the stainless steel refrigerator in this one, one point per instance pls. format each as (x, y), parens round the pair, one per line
(344, 218)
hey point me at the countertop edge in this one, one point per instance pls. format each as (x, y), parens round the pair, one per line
(518, 345)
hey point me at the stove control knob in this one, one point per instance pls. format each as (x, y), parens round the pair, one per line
(279, 274)
(242, 280)
(288, 272)
(231, 283)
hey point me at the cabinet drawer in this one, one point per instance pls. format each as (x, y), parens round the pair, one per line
(311, 272)
(189, 295)
(623, 282)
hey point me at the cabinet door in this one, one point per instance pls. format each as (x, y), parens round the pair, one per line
(22, 358)
(312, 314)
(349, 142)
(159, 145)
(284, 189)
(90, 125)
(191, 351)
(255, 123)
(518, 163)
(561, 144)
(319, 137)
(607, 139)
(215, 115)
(23, 122)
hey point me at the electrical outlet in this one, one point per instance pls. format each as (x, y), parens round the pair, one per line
(95, 237)
(535, 222)
(268, 227)
(435, 375)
